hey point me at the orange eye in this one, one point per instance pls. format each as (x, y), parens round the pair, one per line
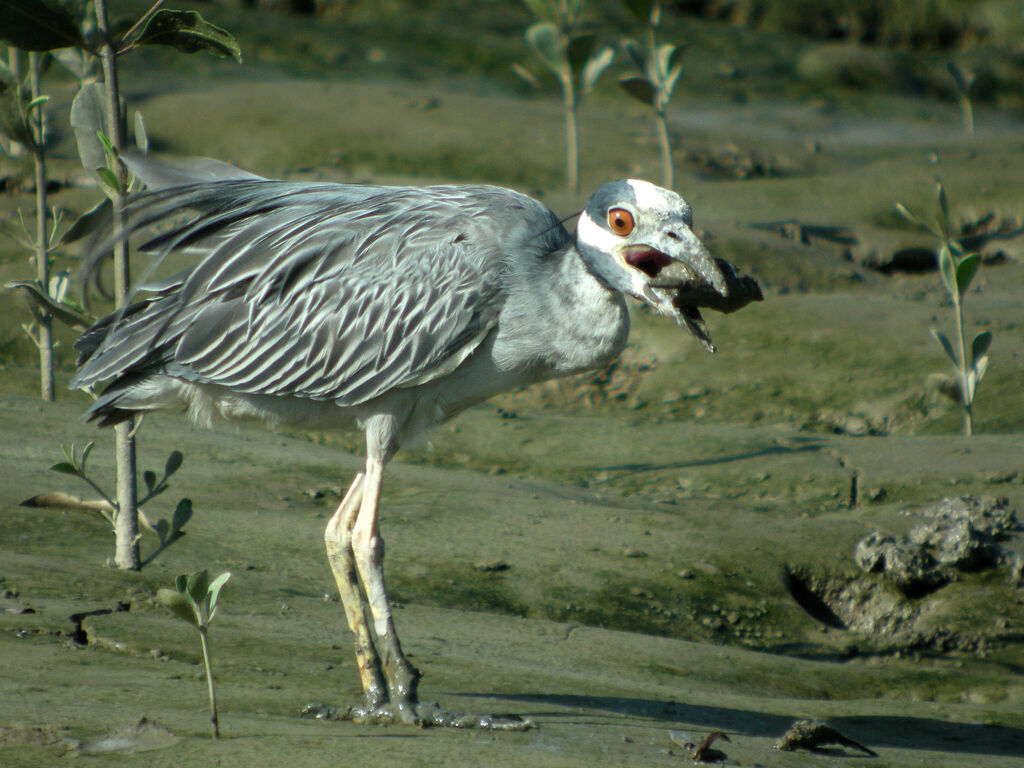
(620, 221)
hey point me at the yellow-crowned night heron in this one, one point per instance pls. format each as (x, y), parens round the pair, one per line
(388, 309)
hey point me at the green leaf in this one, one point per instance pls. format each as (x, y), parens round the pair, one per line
(111, 184)
(641, 9)
(214, 593)
(979, 367)
(197, 585)
(39, 25)
(182, 514)
(965, 272)
(66, 468)
(947, 269)
(108, 145)
(579, 49)
(946, 345)
(639, 88)
(85, 453)
(62, 311)
(943, 211)
(979, 346)
(595, 66)
(90, 222)
(88, 121)
(178, 604)
(905, 213)
(173, 463)
(188, 32)
(670, 80)
(968, 383)
(663, 55)
(545, 41)
(181, 584)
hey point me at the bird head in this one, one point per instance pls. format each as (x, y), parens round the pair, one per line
(638, 238)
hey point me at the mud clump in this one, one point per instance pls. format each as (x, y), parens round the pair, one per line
(892, 600)
(966, 534)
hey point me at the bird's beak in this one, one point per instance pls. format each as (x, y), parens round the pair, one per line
(676, 267)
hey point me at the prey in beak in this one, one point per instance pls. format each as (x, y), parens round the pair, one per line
(645, 233)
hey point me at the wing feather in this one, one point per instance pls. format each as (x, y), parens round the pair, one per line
(328, 292)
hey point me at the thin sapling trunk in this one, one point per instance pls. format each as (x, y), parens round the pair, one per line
(127, 555)
(44, 318)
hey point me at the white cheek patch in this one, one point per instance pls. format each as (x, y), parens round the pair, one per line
(590, 233)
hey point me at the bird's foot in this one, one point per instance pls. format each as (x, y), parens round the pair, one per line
(418, 714)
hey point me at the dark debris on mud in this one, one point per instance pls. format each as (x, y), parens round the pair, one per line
(814, 736)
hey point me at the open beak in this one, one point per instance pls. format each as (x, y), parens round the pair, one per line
(681, 276)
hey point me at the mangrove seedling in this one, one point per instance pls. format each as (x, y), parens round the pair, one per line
(957, 269)
(561, 42)
(660, 68)
(194, 599)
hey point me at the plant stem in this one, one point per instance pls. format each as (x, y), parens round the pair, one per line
(127, 530)
(209, 681)
(667, 167)
(966, 398)
(571, 135)
(968, 113)
(655, 74)
(45, 319)
(565, 24)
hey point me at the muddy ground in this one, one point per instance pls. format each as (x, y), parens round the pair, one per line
(665, 547)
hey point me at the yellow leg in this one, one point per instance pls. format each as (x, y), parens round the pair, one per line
(368, 548)
(338, 538)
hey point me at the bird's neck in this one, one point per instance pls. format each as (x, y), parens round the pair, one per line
(588, 320)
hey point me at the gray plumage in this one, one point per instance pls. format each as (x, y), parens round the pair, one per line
(322, 292)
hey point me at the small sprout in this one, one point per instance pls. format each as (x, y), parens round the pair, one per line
(194, 600)
(957, 270)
